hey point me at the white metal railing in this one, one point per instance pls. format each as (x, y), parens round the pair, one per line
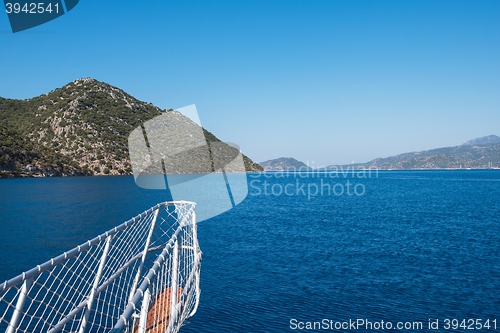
(139, 277)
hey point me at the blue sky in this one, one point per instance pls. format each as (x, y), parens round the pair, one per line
(323, 81)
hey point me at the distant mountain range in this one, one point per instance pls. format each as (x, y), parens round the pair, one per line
(480, 153)
(485, 140)
(79, 129)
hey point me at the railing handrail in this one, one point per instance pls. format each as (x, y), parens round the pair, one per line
(137, 297)
(90, 268)
(71, 253)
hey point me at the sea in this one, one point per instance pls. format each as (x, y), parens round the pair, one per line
(303, 252)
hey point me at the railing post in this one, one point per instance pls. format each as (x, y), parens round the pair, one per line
(173, 286)
(143, 320)
(16, 316)
(96, 285)
(144, 253)
(197, 256)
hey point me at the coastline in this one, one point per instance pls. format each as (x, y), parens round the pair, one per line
(10, 175)
(377, 169)
(4, 175)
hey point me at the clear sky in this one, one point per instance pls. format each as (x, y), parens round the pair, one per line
(323, 81)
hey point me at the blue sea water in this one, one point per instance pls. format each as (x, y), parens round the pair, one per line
(408, 246)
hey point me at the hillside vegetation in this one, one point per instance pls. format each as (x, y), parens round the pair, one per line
(284, 164)
(79, 129)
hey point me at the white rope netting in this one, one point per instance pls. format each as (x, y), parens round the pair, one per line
(141, 276)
